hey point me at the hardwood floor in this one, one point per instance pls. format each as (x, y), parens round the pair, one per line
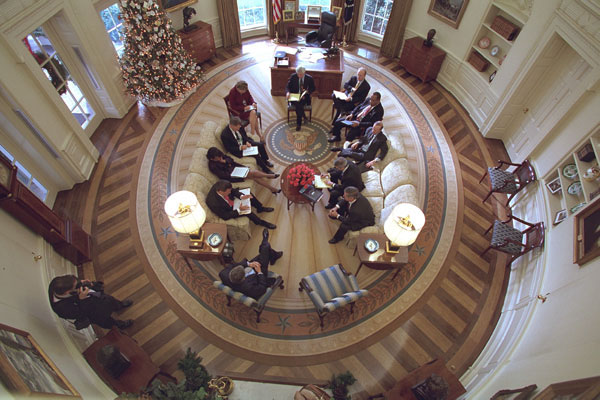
(453, 320)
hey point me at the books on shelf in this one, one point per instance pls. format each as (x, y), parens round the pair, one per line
(250, 151)
(240, 172)
(245, 202)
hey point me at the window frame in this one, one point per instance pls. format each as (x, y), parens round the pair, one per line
(115, 28)
(368, 36)
(24, 172)
(255, 29)
(298, 6)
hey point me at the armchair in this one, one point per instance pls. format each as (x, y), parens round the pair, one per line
(331, 289)
(257, 305)
(509, 240)
(503, 181)
(324, 36)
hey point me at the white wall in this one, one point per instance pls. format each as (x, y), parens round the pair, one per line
(24, 305)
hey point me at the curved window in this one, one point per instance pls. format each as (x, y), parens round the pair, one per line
(376, 14)
(252, 14)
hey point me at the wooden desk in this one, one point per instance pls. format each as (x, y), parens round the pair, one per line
(380, 259)
(327, 73)
(207, 252)
(402, 391)
(139, 374)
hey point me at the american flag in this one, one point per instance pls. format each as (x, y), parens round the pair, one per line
(276, 11)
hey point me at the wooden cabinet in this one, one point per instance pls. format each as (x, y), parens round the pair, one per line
(421, 61)
(200, 42)
(493, 34)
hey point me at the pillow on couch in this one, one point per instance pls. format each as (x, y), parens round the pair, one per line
(372, 183)
(395, 151)
(402, 194)
(396, 173)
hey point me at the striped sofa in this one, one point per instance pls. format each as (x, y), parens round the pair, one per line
(257, 305)
(331, 289)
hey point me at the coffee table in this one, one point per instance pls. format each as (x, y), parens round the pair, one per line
(207, 252)
(292, 193)
(380, 259)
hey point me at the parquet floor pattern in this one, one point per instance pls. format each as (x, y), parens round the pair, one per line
(453, 320)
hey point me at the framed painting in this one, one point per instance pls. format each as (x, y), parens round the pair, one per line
(554, 185)
(290, 5)
(338, 12)
(448, 11)
(300, 16)
(288, 15)
(174, 5)
(26, 369)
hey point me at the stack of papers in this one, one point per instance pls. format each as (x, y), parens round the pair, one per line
(321, 183)
(246, 202)
(340, 95)
(240, 172)
(296, 96)
(250, 151)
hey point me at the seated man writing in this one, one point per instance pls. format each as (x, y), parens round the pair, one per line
(357, 89)
(220, 200)
(363, 116)
(354, 211)
(302, 84)
(368, 150)
(223, 166)
(85, 302)
(343, 174)
(235, 141)
(251, 277)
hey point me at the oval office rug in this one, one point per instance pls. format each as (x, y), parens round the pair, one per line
(289, 330)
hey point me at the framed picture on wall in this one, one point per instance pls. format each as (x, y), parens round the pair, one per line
(554, 185)
(337, 11)
(288, 15)
(290, 5)
(560, 216)
(27, 370)
(448, 11)
(174, 5)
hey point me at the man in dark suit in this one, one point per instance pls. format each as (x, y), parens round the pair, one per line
(357, 89)
(85, 302)
(363, 116)
(354, 211)
(367, 150)
(347, 174)
(251, 277)
(220, 201)
(235, 141)
(298, 83)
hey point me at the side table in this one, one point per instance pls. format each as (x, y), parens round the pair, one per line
(380, 259)
(292, 193)
(207, 252)
(421, 61)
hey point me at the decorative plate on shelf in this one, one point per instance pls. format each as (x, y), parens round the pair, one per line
(484, 42)
(494, 51)
(570, 171)
(214, 239)
(371, 245)
(578, 207)
(574, 188)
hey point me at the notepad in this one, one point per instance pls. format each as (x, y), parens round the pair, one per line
(240, 172)
(296, 96)
(347, 122)
(250, 151)
(246, 202)
(321, 183)
(340, 95)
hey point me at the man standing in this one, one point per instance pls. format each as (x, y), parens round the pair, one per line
(348, 174)
(235, 141)
(251, 277)
(354, 211)
(299, 83)
(220, 200)
(85, 302)
(363, 116)
(367, 150)
(357, 89)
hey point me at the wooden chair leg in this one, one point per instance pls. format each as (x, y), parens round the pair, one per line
(260, 121)
(484, 174)
(228, 301)
(321, 318)
(485, 251)
(351, 308)
(257, 316)
(488, 195)
(289, 115)
(488, 229)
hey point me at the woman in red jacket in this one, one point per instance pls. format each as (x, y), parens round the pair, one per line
(242, 105)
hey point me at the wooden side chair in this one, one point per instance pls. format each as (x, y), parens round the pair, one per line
(504, 181)
(257, 305)
(331, 289)
(508, 239)
(291, 108)
(245, 122)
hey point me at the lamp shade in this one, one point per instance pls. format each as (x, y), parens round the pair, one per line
(184, 212)
(404, 224)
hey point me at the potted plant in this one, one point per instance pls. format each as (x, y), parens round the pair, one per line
(339, 385)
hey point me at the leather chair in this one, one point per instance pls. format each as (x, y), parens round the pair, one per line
(508, 239)
(257, 305)
(331, 289)
(324, 36)
(504, 181)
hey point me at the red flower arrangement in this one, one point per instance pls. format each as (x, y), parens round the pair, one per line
(301, 176)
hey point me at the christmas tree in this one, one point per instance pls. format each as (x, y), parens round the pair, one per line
(155, 66)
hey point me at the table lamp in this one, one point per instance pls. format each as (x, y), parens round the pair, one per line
(186, 216)
(403, 226)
